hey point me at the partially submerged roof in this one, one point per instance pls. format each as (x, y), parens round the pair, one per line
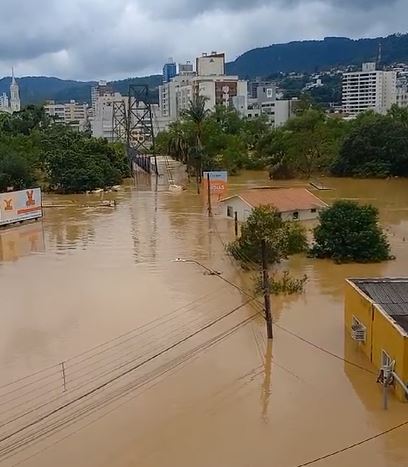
(284, 199)
(390, 293)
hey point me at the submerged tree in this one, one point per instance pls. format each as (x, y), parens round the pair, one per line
(282, 238)
(349, 232)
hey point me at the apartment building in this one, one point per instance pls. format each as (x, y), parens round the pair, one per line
(278, 112)
(102, 118)
(209, 80)
(71, 113)
(369, 89)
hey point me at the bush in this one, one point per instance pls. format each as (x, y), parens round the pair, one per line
(282, 238)
(349, 232)
(283, 284)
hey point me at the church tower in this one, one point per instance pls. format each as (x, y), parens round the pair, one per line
(15, 105)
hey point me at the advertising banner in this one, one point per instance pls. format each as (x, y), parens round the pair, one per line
(218, 182)
(17, 206)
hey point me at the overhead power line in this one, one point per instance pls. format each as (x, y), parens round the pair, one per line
(354, 445)
(124, 373)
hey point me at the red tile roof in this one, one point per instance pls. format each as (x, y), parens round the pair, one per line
(284, 199)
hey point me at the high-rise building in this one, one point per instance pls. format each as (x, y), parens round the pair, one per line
(169, 70)
(211, 64)
(208, 81)
(369, 89)
(102, 89)
(4, 103)
(186, 68)
(15, 104)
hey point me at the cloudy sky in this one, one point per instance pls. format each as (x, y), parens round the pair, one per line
(96, 39)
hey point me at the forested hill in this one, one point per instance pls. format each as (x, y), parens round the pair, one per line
(38, 89)
(311, 56)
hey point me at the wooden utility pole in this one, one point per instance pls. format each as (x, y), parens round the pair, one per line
(209, 195)
(265, 287)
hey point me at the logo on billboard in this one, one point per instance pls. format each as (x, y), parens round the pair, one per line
(30, 198)
(8, 206)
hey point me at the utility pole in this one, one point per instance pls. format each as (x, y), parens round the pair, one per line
(236, 223)
(209, 195)
(386, 377)
(265, 287)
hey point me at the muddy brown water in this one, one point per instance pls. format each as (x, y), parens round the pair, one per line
(88, 274)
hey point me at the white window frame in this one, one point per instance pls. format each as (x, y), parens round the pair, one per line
(355, 322)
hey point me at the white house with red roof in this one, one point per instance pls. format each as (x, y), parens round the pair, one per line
(292, 203)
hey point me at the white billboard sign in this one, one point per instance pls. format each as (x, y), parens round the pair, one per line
(17, 206)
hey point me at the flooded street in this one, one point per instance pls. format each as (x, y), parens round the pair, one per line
(91, 293)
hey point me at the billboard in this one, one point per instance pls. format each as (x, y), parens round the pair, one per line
(218, 182)
(17, 206)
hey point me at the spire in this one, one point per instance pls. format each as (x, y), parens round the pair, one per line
(15, 103)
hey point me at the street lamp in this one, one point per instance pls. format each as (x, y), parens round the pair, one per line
(211, 272)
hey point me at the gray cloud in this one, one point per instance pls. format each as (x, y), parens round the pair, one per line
(88, 39)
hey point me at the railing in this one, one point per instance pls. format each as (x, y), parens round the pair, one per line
(141, 160)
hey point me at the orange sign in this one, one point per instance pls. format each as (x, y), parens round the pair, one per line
(218, 182)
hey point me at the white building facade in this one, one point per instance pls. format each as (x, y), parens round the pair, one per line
(72, 113)
(369, 89)
(13, 104)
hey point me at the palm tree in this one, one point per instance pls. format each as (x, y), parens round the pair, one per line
(196, 113)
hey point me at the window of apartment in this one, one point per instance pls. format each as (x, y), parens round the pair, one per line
(295, 215)
(230, 211)
(313, 210)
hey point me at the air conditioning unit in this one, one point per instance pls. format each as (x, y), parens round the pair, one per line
(358, 333)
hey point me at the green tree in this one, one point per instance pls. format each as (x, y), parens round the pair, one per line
(15, 172)
(282, 238)
(274, 150)
(348, 232)
(377, 146)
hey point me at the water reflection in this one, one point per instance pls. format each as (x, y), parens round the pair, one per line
(19, 241)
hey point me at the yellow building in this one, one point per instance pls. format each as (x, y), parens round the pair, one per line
(376, 316)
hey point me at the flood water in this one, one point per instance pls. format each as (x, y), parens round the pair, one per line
(92, 294)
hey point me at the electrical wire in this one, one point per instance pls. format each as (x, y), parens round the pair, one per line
(212, 342)
(94, 368)
(85, 383)
(124, 373)
(57, 366)
(322, 349)
(354, 445)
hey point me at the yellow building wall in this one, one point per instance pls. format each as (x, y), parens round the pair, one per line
(382, 334)
(359, 306)
(386, 336)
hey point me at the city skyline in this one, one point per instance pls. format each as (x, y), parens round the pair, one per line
(87, 40)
